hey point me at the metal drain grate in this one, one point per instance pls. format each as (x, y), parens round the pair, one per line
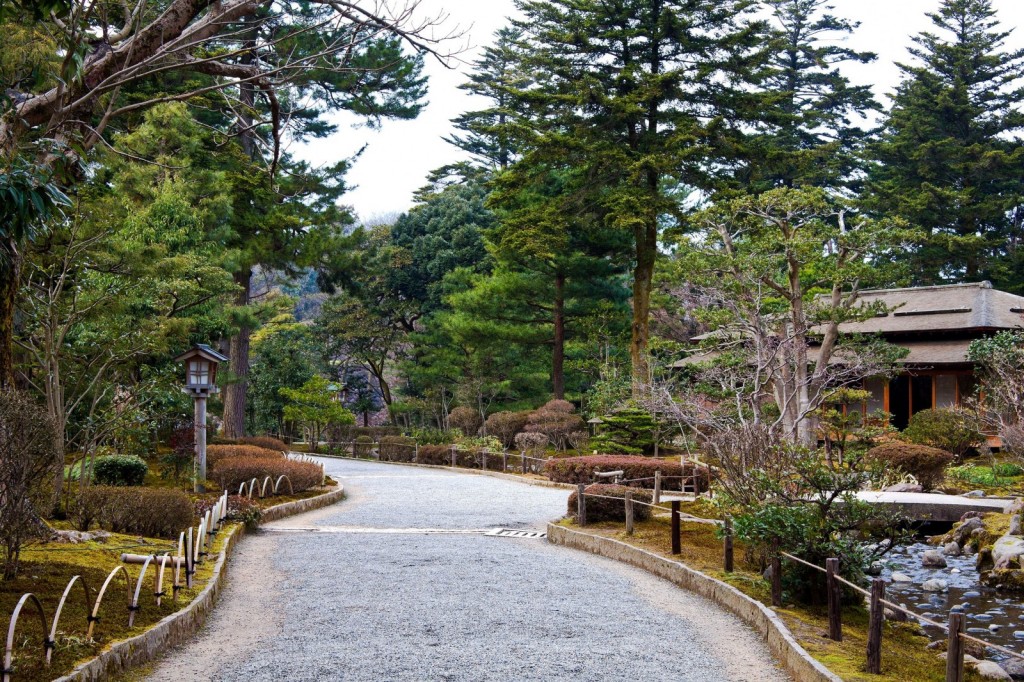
(508, 533)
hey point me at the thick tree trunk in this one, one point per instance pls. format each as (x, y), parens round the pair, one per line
(643, 277)
(238, 352)
(10, 276)
(558, 352)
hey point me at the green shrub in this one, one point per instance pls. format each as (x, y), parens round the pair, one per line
(120, 470)
(984, 475)
(630, 431)
(230, 473)
(362, 447)
(151, 512)
(430, 436)
(951, 430)
(505, 425)
(924, 463)
(268, 442)
(582, 470)
(603, 509)
(397, 449)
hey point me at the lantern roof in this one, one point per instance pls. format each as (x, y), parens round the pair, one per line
(203, 351)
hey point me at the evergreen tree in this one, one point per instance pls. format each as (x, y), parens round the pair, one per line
(949, 159)
(642, 97)
(809, 137)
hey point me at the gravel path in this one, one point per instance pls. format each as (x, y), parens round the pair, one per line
(351, 603)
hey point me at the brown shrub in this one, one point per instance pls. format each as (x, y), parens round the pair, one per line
(268, 442)
(582, 469)
(926, 464)
(557, 421)
(603, 509)
(560, 406)
(152, 512)
(505, 425)
(436, 454)
(215, 453)
(465, 419)
(397, 449)
(231, 472)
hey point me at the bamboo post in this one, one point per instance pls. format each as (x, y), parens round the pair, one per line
(581, 505)
(483, 459)
(504, 461)
(776, 574)
(522, 456)
(727, 548)
(875, 619)
(955, 648)
(416, 453)
(835, 600)
(453, 457)
(657, 486)
(629, 512)
(677, 544)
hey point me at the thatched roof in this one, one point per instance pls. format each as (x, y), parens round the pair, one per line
(922, 353)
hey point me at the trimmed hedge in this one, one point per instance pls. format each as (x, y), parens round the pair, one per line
(152, 512)
(215, 453)
(120, 470)
(926, 464)
(582, 469)
(601, 509)
(268, 442)
(362, 446)
(230, 473)
(468, 458)
(397, 449)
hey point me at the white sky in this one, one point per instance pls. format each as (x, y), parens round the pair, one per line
(399, 155)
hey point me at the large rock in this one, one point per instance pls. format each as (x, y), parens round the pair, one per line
(990, 670)
(1016, 526)
(951, 549)
(904, 488)
(898, 577)
(935, 585)
(875, 568)
(962, 533)
(1006, 552)
(933, 559)
(1014, 668)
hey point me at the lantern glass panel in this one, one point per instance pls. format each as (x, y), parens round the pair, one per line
(198, 372)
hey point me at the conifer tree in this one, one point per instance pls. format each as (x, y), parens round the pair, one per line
(949, 159)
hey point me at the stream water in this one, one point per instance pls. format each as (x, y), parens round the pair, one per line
(992, 616)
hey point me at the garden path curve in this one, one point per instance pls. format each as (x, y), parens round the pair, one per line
(398, 583)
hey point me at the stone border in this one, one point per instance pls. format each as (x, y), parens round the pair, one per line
(794, 658)
(178, 627)
(457, 470)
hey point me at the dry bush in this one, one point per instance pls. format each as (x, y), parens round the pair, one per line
(232, 472)
(674, 475)
(268, 442)
(578, 440)
(506, 425)
(557, 421)
(926, 464)
(533, 444)
(397, 449)
(436, 454)
(745, 451)
(466, 419)
(561, 406)
(215, 453)
(603, 509)
(30, 458)
(151, 512)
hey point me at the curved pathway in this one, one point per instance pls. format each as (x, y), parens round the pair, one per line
(394, 584)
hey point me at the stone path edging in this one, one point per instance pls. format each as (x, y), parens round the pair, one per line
(460, 470)
(179, 626)
(794, 658)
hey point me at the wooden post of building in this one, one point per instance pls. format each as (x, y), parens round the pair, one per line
(875, 619)
(453, 457)
(955, 648)
(727, 559)
(657, 486)
(629, 512)
(776, 574)
(677, 541)
(581, 505)
(835, 600)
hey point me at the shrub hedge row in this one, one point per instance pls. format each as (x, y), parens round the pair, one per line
(152, 512)
(397, 449)
(582, 470)
(230, 473)
(268, 442)
(602, 509)
(926, 464)
(215, 453)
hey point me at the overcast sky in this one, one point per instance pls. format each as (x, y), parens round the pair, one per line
(399, 155)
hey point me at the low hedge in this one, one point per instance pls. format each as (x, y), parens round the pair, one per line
(603, 509)
(215, 453)
(468, 458)
(231, 472)
(581, 470)
(362, 446)
(435, 454)
(924, 463)
(120, 470)
(152, 512)
(268, 442)
(397, 449)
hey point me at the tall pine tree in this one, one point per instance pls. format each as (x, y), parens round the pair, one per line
(949, 159)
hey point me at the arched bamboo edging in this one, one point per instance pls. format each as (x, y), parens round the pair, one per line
(158, 587)
(268, 481)
(94, 618)
(134, 607)
(60, 608)
(252, 487)
(277, 484)
(9, 651)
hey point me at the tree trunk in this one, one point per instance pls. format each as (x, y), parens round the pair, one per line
(643, 276)
(238, 353)
(10, 277)
(558, 352)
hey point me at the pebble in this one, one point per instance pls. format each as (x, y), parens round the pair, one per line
(969, 595)
(1018, 634)
(952, 570)
(977, 631)
(898, 577)
(935, 585)
(982, 616)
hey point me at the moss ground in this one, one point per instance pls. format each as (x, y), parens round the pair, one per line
(904, 656)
